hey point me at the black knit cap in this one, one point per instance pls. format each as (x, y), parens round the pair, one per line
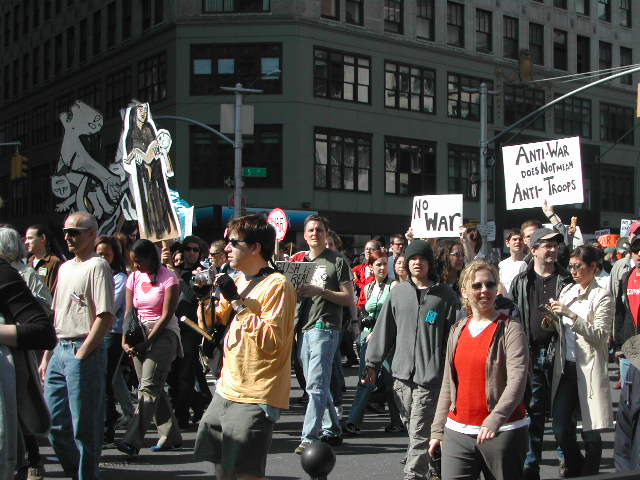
(419, 247)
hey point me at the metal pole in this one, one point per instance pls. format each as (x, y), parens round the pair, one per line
(237, 148)
(483, 153)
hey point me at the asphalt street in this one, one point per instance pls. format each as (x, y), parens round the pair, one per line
(372, 455)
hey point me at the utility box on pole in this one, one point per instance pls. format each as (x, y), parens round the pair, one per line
(228, 118)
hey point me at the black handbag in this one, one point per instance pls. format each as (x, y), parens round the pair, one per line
(134, 331)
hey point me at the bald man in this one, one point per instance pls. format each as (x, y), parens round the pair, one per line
(74, 372)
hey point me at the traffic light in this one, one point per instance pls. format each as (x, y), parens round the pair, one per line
(19, 166)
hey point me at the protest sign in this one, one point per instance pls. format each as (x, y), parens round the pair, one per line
(549, 170)
(298, 273)
(436, 216)
(604, 231)
(625, 225)
(280, 222)
(488, 231)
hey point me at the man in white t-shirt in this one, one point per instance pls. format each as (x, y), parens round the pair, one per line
(75, 371)
(514, 264)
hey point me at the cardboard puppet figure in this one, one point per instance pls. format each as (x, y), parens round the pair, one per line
(83, 184)
(145, 152)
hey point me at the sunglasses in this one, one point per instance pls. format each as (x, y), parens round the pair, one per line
(213, 254)
(74, 231)
(490, 285)
(235, 242)
(575, 266)
(191, 249)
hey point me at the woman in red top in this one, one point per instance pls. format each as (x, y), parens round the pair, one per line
(480, 418)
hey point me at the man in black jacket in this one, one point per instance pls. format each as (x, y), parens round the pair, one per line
(542, 281)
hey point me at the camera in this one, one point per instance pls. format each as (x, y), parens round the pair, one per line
(204, 278)
(549, 316)
(368, 322)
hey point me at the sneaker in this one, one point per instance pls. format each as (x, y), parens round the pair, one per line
(391, 428)
(333, 440)
(302, 447)
(127, 448)
(351, 429)
(35, 472)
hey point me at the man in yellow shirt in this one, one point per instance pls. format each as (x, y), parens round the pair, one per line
(259, 306)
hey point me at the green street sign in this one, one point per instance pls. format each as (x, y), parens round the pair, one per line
(254, 172)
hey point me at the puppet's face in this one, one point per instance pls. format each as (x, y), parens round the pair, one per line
(60, 186)
(141, 113)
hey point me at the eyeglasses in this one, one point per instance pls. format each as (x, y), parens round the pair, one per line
(191, 249)
(490, 285)
(575, 266)
(235, 242)
(459, 255)
(74, 231)
(213, 254)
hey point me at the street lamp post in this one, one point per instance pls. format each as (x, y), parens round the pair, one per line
(237, 144)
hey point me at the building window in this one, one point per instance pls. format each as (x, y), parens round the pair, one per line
(91, 94)
(604, 10)
(158, 13)
(425, 25)
(455, 24)
(510, 37)
(16, 77)
(559, 49)
(58, 7)
(536, 43)
(393, 16)
(484, 31)
(7, 28)
(7, 83)
(256, 65)
(583, 54)
(342, 160)
(25, 16)
(71, 46)
(605, 60)
(355, 12)
(46, 60)
(117, 92)
(36, 14)
(16, 23)
(617, 188)
(237, 6)
(572, 116)
(520, 101)
(626, 55)
(152, 78)
(97, 32)
(464, 172)
(82, 52)
(146, 15)
(35, 69)
(410, 166)
(57, 58)
(111, 24)
(560, 4)
(409, 87)
(212, 158)
(582, 7)
(463, 104)
(47, 10)
(616, 123)
(126, 19)
(40, 131)
(330, 9)
(341, 76)
(25, 72)
(625, 13)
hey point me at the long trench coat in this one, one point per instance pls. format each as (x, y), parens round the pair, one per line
(594, 308)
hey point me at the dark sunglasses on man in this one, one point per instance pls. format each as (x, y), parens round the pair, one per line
(74, 231)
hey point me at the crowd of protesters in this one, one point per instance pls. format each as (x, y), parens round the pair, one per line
(468, 354)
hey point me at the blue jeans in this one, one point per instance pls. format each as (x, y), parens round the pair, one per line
(362, 391)
(337, 375)
(624, 369)
(318, 349)
(75, 392)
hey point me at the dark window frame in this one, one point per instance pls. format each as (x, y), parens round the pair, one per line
(400, 71)
(484, 30)
(111, 24)
(615, 125)
(394, 16)
(259, 7)
(354, 12)
(117, 92)
(583, 54)
(426, 18)
(583, 8)
(536, 43)
(573, 116)
(455, 24)
(604, 10)
(96, 33)
(510, 37)
(464, 162)
(520, 100)
(410, 166)
(625, 10)
(624, 61)
(335, 8)
(127, 18)
(617, 188)
(605, 55)
(457, 98)
(335, 169)
(560, 51)
(152, 78)
(329, 57)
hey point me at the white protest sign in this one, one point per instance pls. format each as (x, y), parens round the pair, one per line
(436, 216)
(278, 218)
(298, 273)
(604, 231)
(487, 230)
(549, 170)
(625, 225)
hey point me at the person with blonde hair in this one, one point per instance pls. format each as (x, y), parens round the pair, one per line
(480, 421)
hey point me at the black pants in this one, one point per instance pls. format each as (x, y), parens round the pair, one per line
(113, 345)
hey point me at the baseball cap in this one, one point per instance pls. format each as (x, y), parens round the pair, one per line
(545, 235)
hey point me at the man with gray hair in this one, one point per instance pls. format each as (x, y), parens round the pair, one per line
(74, 372)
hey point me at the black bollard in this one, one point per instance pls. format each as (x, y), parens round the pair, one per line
(318, 460)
